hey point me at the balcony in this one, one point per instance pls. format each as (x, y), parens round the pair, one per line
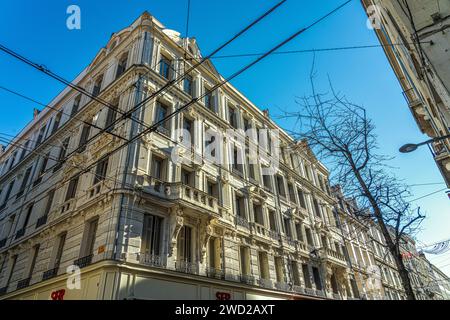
(84, 261)
(247, 279)
(260, 230)
(181, 193)
(215, 273)
(299, 289)
(23, 283)
(282, 286)
(265, 283)
(152, 260)
(3, 242)
(242, 222)
(337, 296)
(186, 267)
(41, 221)
(50, 273)
(274, 235)
(333, 256)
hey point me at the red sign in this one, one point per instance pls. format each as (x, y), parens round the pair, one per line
(223, 296)
(58, 295)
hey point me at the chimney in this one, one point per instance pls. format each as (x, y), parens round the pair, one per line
(36, 113)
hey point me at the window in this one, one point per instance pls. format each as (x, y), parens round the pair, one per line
(246, 124)
(59, 249)
(111, 116)
(62, 154)
(309, 238)
(48, 205)
(298, 229)
(184, 244)
(187, 84)
(316, 208)
(307, 173)
(91, 233)
(76, 105)
(56, 122)
(324, 242)
(316, 276)
(151, 235)
(251, 167)
(263, 266)
(209, 139)
(164, 67)
(209, 99)
(258, 212)
(187, 178)
(291, 192)
(280, 186)
(97, 86)
(21, 232)
(40, 135)
(232, 117)
(272, 223)
(287, 227)
(24, 150)
(122, 65)
(12, 160)
(157, 167)
(8, 193)
(295, 273)
(212, 189)
(301, 196)
(24, 181)
(84, 138)
(11, 271)
(72, 189)
(237, 163)
(41, 170)
(244, 255)
(239, 206)
(188, 132)
(33, 260)
(267, 181)
(279, 269)
(214, 253)
(160, 116)
(100, 171)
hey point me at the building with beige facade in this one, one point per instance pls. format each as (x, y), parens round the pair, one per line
(157, 219)
(416, 41)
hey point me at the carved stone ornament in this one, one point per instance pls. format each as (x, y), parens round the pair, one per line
(208, 232)
(177, 223)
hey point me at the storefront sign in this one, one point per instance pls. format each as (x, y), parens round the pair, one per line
(223, 296)
(58, 295)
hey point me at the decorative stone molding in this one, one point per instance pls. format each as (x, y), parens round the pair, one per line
(177, 222)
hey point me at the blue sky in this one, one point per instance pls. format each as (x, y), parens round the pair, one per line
(38, 30)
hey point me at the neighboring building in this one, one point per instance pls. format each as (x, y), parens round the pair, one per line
(421, 66)
(144, 226)
(442, 281)
(371, 264)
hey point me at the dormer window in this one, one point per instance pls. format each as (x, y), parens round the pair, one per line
(164, 67)
(122, 66)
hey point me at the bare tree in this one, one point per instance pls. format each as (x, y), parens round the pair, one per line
(343, 137)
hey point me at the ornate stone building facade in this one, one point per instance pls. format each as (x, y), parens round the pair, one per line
(158, 219)
(416, 42)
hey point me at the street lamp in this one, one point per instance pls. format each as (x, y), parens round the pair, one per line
(410, 147)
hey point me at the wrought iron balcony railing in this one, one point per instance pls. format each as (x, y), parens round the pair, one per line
(23, 283)
(84, 261)
(50, 273)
